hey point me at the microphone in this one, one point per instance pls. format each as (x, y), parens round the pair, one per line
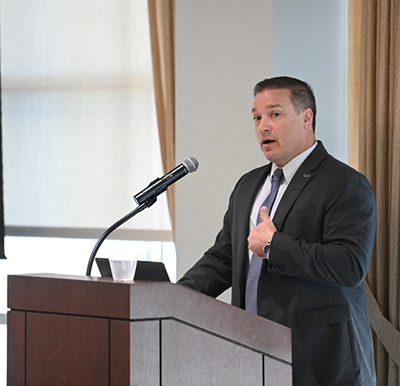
(146, 198)
(160, 185)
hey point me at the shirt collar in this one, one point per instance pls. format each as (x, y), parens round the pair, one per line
(291, 167)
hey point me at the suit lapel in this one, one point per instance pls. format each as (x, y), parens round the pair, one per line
(245, 206)
(303, 176)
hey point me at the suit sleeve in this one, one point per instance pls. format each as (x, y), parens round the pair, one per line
(328, 237)
(212, 274)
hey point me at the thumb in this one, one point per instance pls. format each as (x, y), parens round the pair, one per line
(264, 213)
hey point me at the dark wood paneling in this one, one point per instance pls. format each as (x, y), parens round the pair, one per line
(66, 350)
(120, 359)
(80, 295)
(16, 350)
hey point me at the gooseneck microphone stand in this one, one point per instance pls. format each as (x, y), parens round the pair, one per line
(144, 205)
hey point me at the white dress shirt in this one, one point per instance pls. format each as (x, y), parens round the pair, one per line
(289, 171)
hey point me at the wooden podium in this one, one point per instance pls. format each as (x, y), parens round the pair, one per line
(73, 330)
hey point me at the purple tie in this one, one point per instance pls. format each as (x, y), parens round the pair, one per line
(256, 262)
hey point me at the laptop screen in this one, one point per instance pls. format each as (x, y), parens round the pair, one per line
(145, 270)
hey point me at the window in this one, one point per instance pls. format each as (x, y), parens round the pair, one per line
(79, 125)
(79, 134)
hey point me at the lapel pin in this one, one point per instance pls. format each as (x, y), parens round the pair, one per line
(307, 175)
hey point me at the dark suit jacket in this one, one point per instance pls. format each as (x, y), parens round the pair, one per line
(313, 281)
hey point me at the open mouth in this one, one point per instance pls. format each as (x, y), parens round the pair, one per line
(267, 141)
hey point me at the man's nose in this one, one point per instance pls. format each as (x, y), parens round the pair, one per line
(265, 125)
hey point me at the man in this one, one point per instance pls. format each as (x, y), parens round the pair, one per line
(315, 245)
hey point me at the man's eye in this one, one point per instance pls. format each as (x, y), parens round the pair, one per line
(276, 115)
(256, 118)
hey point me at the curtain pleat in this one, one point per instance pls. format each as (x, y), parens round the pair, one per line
(353, 108)
(388, 335)
(162, 33)
(379, 160)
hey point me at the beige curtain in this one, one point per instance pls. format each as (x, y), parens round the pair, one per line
(354, 81)
(162, 32)
(378, 131)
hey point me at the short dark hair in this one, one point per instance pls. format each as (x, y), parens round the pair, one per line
(301, 93)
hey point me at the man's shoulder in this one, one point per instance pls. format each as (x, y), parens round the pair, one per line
(251, 181)
(255, 174)
(326, 163)
(335, 167)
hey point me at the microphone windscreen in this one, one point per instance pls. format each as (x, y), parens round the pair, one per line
(191, 164)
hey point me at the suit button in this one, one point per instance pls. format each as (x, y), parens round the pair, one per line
(276, 267)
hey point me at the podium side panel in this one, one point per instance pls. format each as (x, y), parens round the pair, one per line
(16, 348)
(135, 353)
(277, 373)
(69, 350)
(193, 357)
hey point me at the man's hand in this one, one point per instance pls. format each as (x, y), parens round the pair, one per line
(260, 234)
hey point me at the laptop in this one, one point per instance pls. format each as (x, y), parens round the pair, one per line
(145, 270)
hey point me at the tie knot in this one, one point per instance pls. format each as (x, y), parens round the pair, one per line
(278, 173)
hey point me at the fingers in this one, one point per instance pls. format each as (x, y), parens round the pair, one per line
(264, 213)
(260, 234)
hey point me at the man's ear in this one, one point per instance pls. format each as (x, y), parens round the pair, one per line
(308, 117)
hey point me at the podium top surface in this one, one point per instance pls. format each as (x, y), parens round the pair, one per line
(105, 298)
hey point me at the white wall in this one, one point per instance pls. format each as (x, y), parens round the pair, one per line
(223, 48)
(312, 46)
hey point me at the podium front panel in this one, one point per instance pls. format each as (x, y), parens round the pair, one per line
(70, 350)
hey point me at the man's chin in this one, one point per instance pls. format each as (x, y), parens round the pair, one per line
(276, 160)
(269, 155)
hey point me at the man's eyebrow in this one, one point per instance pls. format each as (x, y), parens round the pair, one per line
(274, 106)
(269, 107)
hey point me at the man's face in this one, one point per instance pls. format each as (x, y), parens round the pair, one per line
(281, 131)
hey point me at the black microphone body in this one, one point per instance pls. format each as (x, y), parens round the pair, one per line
(161, 184)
